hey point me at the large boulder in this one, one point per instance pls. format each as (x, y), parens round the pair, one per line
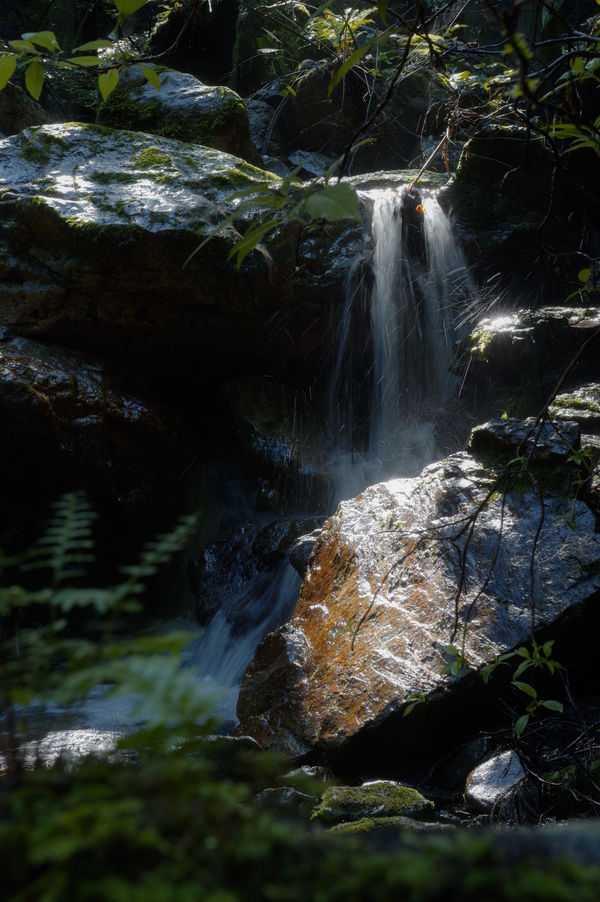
(96, 230)
(183, 108)
(412, 588)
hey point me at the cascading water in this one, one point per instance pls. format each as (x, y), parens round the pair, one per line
(404, 327)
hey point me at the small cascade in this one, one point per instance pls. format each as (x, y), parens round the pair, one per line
(225, 649)
(400, 325)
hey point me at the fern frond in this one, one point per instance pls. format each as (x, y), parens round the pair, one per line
(66, 546)
(158, 552)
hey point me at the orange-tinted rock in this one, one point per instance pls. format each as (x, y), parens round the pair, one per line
(377, 607)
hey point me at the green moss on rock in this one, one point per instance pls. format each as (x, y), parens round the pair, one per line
(380, 799)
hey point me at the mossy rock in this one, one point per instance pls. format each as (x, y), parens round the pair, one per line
(380, 799)
(183, 108)
(581, 405)
(387, 824)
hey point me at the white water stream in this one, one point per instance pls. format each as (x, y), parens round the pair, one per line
(407, 330)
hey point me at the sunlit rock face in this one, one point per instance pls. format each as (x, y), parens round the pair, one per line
(380, 602)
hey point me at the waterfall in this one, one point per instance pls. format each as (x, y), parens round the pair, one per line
(222, 653)
(402, 329)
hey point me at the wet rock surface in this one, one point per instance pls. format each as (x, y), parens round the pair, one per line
(380, 605)
(282, 431)
(229, 575)
(69, 417)
(544, 439)
(493, 779)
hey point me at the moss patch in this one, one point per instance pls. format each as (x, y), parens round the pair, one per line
(382, 798)
(151, 158)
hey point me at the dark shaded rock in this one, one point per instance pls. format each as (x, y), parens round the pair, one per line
(286, 801)
(205, 47)
(18, 110)
(313, 120)
(280, 427)
(493, 779)
(379, 607)
(544, 440)
(253, 64)
(500, 195)
(81, 202)
(228, 574)
(72, 419)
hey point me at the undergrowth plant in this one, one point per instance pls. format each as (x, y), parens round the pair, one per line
(61, 638)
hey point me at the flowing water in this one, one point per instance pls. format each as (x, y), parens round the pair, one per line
(401, 327)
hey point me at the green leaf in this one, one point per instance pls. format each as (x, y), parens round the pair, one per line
(251, 238)
(107, 82)
(84, 60)
(584, 275)
(347, 65)
(382, 9)
(23, 46)
(128, 7)
(102, 44)
(522, 667)
(151, 75)
(34, 79)
(7, 67)
(333, 203)
(553, 705)
(526, 688)
(45, 39)
(521, 724)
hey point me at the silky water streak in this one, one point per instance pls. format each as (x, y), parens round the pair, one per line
(399, 322)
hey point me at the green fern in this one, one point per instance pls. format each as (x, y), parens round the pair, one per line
(65, 548)
(157, 553)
